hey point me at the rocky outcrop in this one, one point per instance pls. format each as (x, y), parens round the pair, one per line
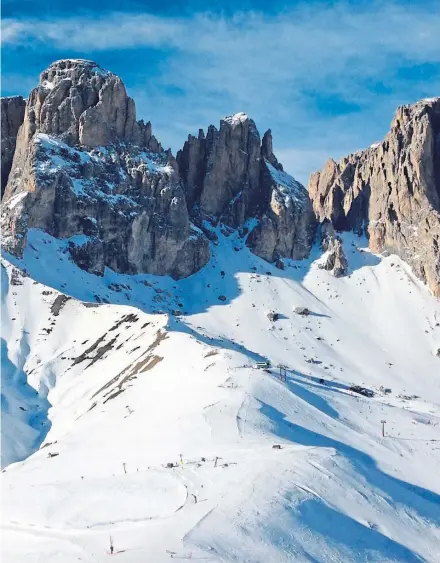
(286, 224)
(222, 171)
(192, 161)
(12, 112)
(391, 191)
(81, 103)
(232, 176)
(231, 188)
(86, 171)
(335, 260)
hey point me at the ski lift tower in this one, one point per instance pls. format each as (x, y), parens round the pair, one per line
(283, 372)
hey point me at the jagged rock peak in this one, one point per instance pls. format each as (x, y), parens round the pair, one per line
(240, 124)
(84, 104)
(391, 190)
(231, 176)
(236, 118)
(71, 69)
(267, 150)
(87, 172)
(12, 115)
(13, 100)
(222, 167)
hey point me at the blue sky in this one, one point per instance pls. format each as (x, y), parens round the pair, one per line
(326, 77)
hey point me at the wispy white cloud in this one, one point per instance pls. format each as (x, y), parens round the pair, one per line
(384, 26)
(114, 31)
(296, 72)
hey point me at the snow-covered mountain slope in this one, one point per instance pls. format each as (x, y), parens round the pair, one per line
(133, 409)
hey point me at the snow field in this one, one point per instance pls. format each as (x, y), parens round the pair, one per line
(130, 387)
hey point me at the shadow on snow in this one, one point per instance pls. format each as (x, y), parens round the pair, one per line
(394, 490)
(47, 260)
(18, 395)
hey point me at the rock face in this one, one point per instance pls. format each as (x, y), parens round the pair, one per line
(231, 176)
(222, 171)
(81, 103)
(391, 191)
(335, 261)
(192, 161)
(231, 186)
(85, 170)
(286, 223)
(12, 110)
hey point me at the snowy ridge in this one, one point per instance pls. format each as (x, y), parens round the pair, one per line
(16, 199)
(85, 62)
(48, 85)
(288, 187)
(61, 155)
(136, 372)
(237, 118)
(56, 157)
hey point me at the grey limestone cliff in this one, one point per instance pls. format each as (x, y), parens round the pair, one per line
(85, 170)
(12, 115)
(232, 176)
(391, 191)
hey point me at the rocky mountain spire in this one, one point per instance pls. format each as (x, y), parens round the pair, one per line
(12, 112)
(192, 161)
(81, 103)
(232, 176)
(86, 171)
(267, 150)
(391, 191)
(231, 188)
(222, 171)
